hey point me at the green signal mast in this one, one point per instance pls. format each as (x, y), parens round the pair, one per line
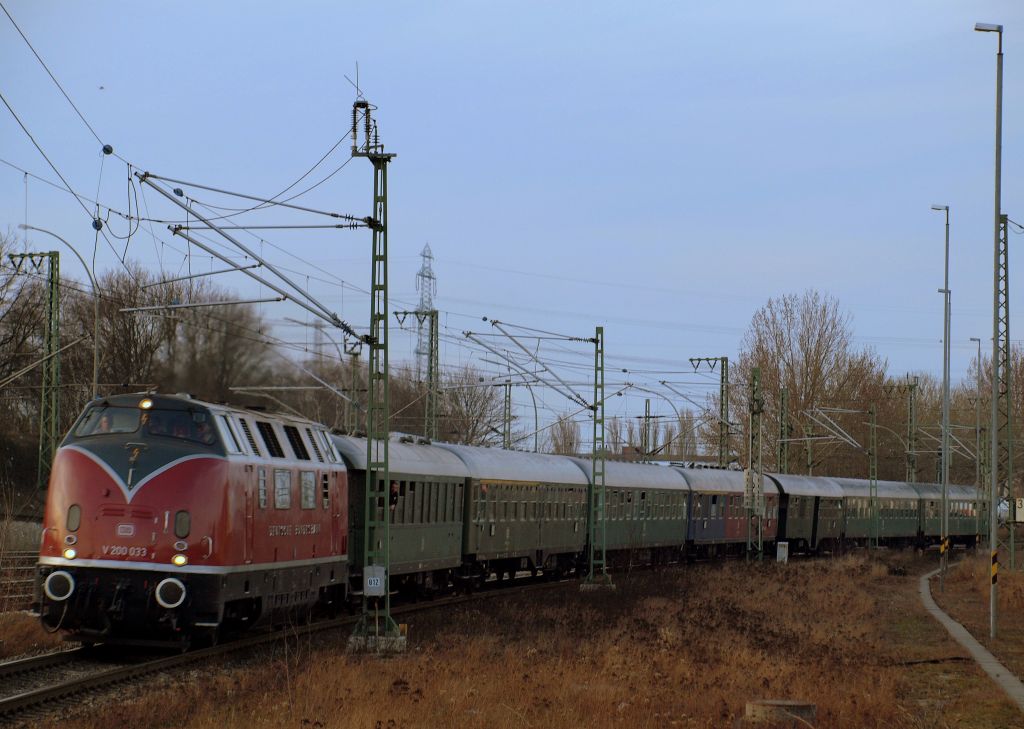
(49, 409)
(376, 630)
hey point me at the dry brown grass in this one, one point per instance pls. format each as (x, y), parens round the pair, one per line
(680, 648)
(21, 633)
(966, 599)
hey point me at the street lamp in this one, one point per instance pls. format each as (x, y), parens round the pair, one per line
(945, 405)
(95, 307)
(993, 506)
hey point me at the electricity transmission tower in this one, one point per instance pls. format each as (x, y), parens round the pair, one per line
(426, 284)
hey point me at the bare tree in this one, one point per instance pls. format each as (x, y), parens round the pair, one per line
(472, 409)
(613, 435)
(564, 436)
(686, 441)
(804, 344)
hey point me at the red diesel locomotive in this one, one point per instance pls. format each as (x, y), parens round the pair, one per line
(170, 519)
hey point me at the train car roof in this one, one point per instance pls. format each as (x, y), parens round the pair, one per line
(621, 474)
(956, 491)
(713, 479)
(496, 463)
(886, 489)
(418, 458)
(798, 485)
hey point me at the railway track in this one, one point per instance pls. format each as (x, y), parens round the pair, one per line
(37, 685)
(16, 573)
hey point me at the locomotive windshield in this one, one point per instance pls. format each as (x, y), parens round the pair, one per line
(180, 424)
(105, 419)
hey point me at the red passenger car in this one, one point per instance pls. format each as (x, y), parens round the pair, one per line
(168, 518)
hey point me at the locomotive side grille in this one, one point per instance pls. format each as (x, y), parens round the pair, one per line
(142, 513)
(248, 436)
(109, 510)
(316, 449)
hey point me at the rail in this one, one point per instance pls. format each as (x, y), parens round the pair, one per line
(41, 682)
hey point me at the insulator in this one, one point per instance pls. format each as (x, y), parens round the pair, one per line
(368, 123)
(355, 122)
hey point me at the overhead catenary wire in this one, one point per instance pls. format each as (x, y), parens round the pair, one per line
(50, 73)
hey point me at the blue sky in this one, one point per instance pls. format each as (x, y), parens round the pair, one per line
(660, 169)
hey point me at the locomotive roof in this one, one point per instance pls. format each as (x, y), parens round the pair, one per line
(419, 458)
(621, 474)
(807, 485)
(712, 479)
(182, 401)
(886, 489)
(495, 463)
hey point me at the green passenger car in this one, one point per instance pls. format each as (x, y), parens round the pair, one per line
(810, 512)
(898, 511)
(425, 506)
(646, 507)
(522, 511)
(967, 517)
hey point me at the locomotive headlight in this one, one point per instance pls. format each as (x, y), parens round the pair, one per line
(179, 560)
(146, 404)
(70, 553)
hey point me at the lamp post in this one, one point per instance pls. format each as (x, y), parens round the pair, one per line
(977, 439)
(993, 433)
(95, 307)
(945, 407)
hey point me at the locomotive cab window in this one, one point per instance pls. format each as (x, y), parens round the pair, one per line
(180, 424)
(106, 419)
(228, 435)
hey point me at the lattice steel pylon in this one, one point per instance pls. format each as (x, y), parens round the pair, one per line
(724, 426)
(49, 407)
(1003, 406)
(873, 475)
(506, 417)
(723, 414)
(912, 430)
(753, 493)
(376, 629)
(426, 284)
(433, 376)
(785, 430)
(597, 564)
